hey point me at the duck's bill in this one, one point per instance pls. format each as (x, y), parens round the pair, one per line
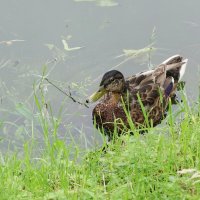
(95, 96)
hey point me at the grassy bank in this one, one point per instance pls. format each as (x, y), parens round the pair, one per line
(163, 164)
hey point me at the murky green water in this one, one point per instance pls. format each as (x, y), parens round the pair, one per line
(35, 33)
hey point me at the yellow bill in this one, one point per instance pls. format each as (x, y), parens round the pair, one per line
(96, 95)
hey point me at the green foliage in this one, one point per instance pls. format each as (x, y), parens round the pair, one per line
(162, 164)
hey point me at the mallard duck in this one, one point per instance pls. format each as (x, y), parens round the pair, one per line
(146, 92)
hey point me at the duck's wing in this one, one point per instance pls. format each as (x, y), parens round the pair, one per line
(149, 89)
(160, 81)
(149, 85)
(176, 67)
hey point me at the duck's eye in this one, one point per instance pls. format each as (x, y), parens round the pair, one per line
(111, 79)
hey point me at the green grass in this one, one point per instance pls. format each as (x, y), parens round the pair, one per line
(163, 164)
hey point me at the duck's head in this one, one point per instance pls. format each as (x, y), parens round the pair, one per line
(112, 81)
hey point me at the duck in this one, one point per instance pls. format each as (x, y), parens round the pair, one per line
(140, 101)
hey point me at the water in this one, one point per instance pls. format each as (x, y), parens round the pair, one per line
(29, 29)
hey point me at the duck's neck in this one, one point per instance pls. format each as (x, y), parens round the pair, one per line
(116, 96)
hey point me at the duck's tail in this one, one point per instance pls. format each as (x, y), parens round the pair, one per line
(176, 67)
